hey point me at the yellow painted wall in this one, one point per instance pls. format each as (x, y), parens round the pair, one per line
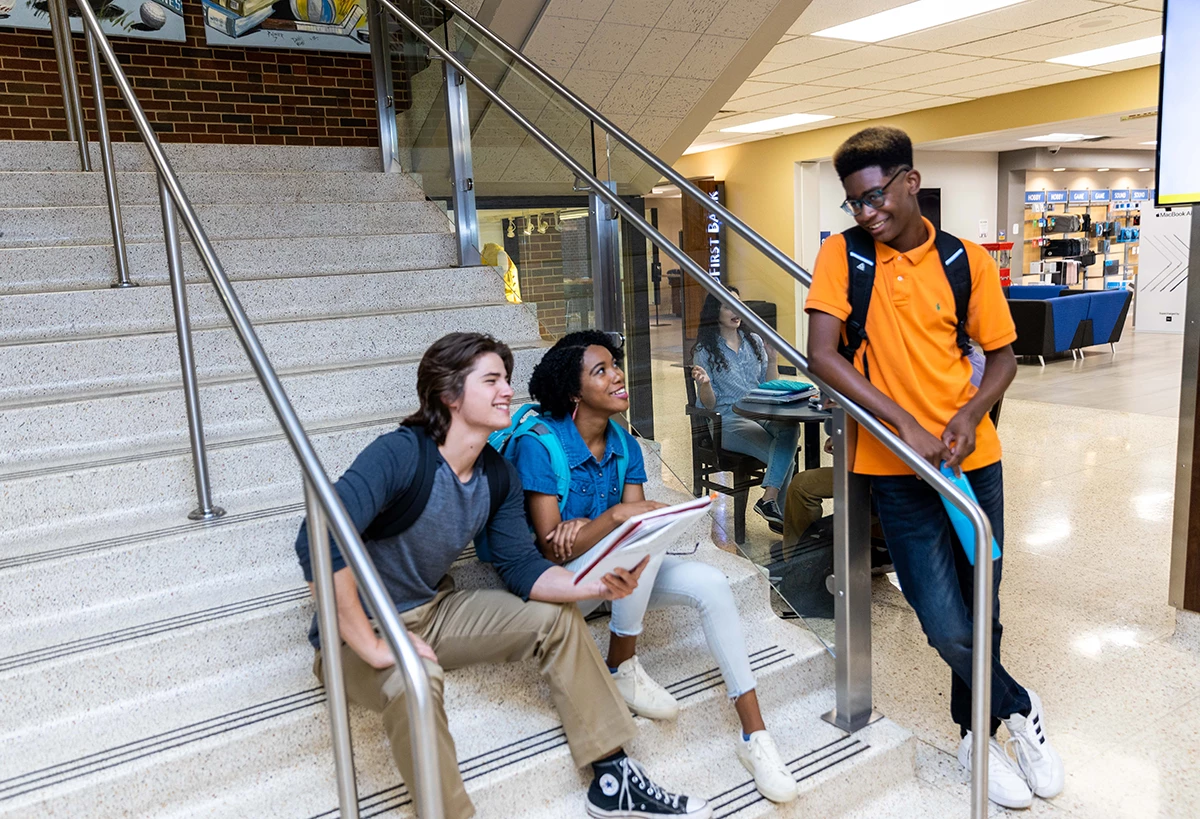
(760, 177)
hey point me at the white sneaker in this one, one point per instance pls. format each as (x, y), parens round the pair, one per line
(643, 695)
(771, 774)
(1006, 785)
(1037, 760)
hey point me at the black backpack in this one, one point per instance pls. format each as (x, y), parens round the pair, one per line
(860, 253)
(406, 507)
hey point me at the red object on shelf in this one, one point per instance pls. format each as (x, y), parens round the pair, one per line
(1002, 253)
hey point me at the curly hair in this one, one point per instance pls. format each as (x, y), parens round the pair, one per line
(443, 372)
(710, 333)
(887, 148)
(557, 378)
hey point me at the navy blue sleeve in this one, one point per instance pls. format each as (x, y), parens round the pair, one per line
(635, 470)
(514, 554)
(378, 475)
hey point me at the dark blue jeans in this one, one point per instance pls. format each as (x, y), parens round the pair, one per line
(939, 583)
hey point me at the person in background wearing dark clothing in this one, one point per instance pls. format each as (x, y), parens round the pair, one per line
(465, 395)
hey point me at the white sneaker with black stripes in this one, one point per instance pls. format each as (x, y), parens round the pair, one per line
(1037, 760)
(622, 788)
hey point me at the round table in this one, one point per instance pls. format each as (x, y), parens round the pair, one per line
(800, 412)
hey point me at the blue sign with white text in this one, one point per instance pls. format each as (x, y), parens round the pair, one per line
(1034, 197)
(1120, 196)
(1100, 196)
(1079, 197)
(1056, 196)
(1140, 195)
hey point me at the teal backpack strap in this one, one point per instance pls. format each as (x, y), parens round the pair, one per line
(622, 454)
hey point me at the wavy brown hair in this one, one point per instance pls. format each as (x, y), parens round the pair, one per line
(443, 372)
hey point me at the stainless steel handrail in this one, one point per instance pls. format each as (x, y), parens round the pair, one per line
(426, 789)
(748, 233)
(981, 656)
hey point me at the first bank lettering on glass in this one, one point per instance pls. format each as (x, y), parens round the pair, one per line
(713, 229)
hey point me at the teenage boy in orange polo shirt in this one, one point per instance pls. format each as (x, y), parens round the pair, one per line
(918, 381)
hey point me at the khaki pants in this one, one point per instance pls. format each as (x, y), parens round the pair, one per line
(492, 626)
(802, 505)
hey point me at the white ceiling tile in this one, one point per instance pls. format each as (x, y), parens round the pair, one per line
(984, 65)
(884, 113)
(935, 102)
(653, 131)
(661, 52)
(593, 86)
(920, 63)
(823, 14)
(1101, 39)
(741, 19)
(794, 95)
(1129, 65)
(709, 57)
(1003, 45)
(578, 9)
(848, 109)
(1149, 5)
(1024, 72)
(854, 79)
(691, 15)
(964, 87)
(631, 94)
(1054, 79)
(806, 49)
(557, 41)
(864, 58)
(942, 37)
(678, 96)
(846, 95)
(611, 47)
(636, 12)
(798, 74)
(751, 87)
(906, 98)
(908, 83)
(1037, 12)
(1107, 19)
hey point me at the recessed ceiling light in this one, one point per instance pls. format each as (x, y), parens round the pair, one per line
(1059, 138)
(912, 17)
(1102, 170)
(1151, 142)
(776, 123)
(1114, 53)
(1143, 170)
(1056, 170)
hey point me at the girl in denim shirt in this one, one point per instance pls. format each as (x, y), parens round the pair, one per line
(580, 386)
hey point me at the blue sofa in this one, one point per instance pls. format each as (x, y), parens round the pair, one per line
(1052, 320)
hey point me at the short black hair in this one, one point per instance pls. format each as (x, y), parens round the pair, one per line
(556, 379)
(888, 148)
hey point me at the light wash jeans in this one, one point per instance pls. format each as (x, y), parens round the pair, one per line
(670, 581)
(772, 442)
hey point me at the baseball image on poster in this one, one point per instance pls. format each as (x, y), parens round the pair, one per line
(147, 19)
(314, 25)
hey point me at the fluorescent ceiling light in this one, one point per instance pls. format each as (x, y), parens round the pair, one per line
(1151, 142)
(776, 124)
(1142, 170)
(912, 17)
(1102, 170)
(1059, 138)
(1112, 54)
(1056, 170)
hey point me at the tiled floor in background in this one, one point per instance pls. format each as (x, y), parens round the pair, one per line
(1089, 463)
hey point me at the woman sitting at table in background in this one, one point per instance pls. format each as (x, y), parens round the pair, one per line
(579, 386)
(727, 363)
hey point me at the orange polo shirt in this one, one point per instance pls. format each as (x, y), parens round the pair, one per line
(912, 345)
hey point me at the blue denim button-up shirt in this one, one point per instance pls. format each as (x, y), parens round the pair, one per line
(594, 486)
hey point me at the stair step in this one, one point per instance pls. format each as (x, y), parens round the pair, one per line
(42, 227)
(22, 189)
(36, 373)
(147, 309)
(49, 437)
(76, 267)
(233, 159)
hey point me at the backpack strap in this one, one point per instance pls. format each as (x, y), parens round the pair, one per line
(404, 510)
(958, 270)
(499, 480)
(860, 256)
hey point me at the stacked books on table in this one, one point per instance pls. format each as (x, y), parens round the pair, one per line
(781, 391)
(236, 17)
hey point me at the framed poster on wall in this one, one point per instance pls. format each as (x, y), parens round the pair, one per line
(311, 25)
(146, 19)
(1162, 278)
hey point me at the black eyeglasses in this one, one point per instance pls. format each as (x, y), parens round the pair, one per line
(875, 198)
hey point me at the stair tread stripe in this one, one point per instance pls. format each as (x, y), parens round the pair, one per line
(799, 773)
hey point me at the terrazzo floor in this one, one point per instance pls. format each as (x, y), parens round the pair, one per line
(1089, 462)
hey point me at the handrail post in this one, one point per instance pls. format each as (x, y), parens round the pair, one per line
(110, 170)
(385, 89)
(68, 78)
(981, 664)
(187, 359)
(606, 287)
(852, 578)
(331, 654)
(462, 175)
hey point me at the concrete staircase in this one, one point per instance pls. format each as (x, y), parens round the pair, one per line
(150, 666)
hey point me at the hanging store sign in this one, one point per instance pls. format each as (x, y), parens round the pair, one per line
(1035, 197)
(1100, 196)
(1120, 196)
(1080, 197)
(1056, 197)
(1141, 195)
(715, 231)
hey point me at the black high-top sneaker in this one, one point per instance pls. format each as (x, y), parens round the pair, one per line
(622, 788)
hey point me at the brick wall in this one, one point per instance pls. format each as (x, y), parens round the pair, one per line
(540, 271)
(194, 93)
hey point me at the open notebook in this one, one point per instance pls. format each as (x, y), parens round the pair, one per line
(650, 533)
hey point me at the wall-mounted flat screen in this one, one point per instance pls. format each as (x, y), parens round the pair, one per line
(1178, 170)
